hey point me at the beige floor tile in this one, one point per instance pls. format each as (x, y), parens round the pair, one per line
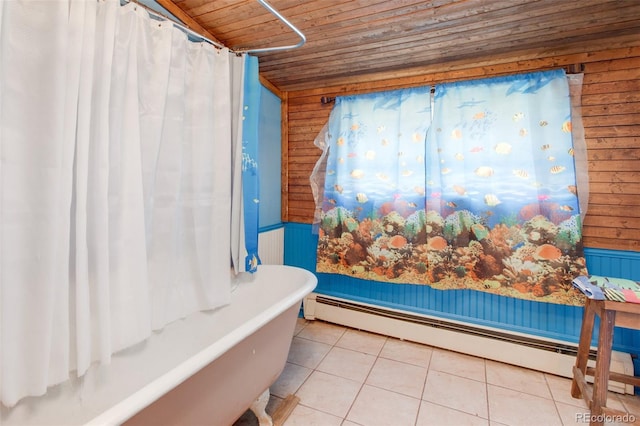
(456, 392)
(307, 353)
(560, 388)
(409, 352)
(328, 393)
(437, 415)
(362, 341)
(290, 380)
(458, 364)
(561, 392)
(572, 415)
(517, 378)
(322, 332)
(305, 416)
(614, 400)
(517, 408)
(347, 363)
(631, 403)
(398, 377)
(380, 407)
(300, 324)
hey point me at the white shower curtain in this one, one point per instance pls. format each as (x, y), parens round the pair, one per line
(115, 191)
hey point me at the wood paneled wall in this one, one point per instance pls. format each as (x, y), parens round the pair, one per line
(611, 116)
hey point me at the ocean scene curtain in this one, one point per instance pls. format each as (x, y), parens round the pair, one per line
(116, 134)
(372, 211)
(494, 209)
(501, 184)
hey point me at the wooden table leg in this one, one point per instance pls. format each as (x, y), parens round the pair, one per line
(603, 362)
(586, 332)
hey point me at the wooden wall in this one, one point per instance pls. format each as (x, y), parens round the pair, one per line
(611, 116)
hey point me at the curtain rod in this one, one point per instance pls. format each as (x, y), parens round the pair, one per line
(180, 25)
(188, 30)
(285, 21)
(569, 69)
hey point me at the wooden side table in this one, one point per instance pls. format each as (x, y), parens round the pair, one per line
(611, 314)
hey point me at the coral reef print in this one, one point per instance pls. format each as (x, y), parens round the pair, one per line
(483, 198)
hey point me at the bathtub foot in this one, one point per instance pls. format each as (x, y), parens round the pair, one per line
(259, 408)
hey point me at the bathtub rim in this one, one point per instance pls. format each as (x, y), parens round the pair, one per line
(129, 406)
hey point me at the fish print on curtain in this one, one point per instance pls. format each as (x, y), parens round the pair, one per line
(503, 213)
(372, 220)
(495, 208)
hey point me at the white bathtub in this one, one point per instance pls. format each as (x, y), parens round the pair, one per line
(205, 369)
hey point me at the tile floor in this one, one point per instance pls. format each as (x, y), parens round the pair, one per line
(346, 377)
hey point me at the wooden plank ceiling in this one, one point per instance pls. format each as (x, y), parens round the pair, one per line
(356, 40)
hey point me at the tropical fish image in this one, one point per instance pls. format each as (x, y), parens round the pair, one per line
(573, 189)
(445, 171)
(570, 152)
(484, 171)
(502, 148)
(476, 149)
(551, 158)
(370, 155)
(361, 197)
(253, 263)
(451, 204)
(407, 173)
(338, 188)
(543, 123)
(459, 156)
(521, 173)
(523, 132)
(419, 158)
(357, 173)
(479, 115)
(566, 127)
(417, 137)
(340, 141)
(456, 134)
(384, 142)
(491, 200)
(518, 116)
(566, 208)
(380, 129)
(459, 190)
(557, 169)
(545, 147)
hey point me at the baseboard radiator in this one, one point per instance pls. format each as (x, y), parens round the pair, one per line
(529, 351)
(271, 246)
